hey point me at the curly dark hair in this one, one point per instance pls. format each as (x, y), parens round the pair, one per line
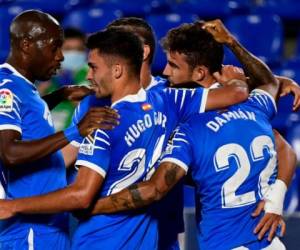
(197, 44)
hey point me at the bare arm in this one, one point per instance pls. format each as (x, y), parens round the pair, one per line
(79, 195)
(69, 154)
(144, 193)
(287, 159)
(258, 72)
(71, 93)
(234, 92)
(14, 151)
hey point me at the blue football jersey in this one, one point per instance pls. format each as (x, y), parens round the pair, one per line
(128, 154)
(23, 110)
(232, 159)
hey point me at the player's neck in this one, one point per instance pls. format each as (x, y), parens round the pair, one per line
(128, 86)
(207, 81)
(145, 75)
(20, 66)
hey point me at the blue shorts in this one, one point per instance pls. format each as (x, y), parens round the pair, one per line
(51, 241)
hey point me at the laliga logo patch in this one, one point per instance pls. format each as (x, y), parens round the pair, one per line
(146, 106)
(6, 100)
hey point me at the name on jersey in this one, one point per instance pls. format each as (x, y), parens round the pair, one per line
(136, 129)
(6, 100)
(228, 116)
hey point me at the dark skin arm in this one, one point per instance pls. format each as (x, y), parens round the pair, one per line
(79, 195)
(71, 93)
(14, 151)
(144, 193)
(287, 162)
(258, 72)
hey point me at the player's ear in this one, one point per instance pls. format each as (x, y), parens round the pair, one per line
(199, 73)
(117, 70)
(146, 52)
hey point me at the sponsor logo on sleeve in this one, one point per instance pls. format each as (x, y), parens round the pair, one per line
(6, 100)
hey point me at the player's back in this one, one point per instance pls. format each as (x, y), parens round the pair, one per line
(235, 161)
(232, 160)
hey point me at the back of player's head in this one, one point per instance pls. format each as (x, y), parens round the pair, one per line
(196, 44)
(141, 28)
(74, 33)
(33, 25)
(117, 42)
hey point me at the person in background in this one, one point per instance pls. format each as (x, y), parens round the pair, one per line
(73, 72)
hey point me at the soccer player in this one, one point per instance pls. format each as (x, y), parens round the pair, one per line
(29, 161)
(231, 171)
(112, 160)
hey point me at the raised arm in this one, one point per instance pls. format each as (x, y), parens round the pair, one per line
(14, 150)
(144, 193)
(258, 72)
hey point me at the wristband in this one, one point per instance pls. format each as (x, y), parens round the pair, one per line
(275, 197)
(72, 133)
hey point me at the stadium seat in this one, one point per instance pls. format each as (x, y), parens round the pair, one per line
(7, 13)
(90, 19)
(261, 35)
(161, 24)
(286, 9)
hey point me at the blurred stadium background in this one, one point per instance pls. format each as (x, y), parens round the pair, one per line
(268, 28)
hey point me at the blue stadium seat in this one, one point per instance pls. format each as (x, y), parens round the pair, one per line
(161, 24)
(286, 9)
(261, 35)
(7, 13)
(54, 7)
(90, 19)
(217, 9)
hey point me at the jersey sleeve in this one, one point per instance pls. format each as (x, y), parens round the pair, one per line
(94, 152)
(10, 109)
(179, 148)
(187, 101)
(263, 101)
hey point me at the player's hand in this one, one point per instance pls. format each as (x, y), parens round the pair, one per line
(6, 209)
(268, 223)
(228, 73)
(288, 86)
(219, 32)
(98, 118)
(76, 93)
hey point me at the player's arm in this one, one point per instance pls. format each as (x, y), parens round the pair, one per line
(273, 203)
(79, 195)
(71, 93)
(14, 150)
(144, 193)
(69, 153)
(258, 72)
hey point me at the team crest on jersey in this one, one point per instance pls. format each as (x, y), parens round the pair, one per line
(6, 100)
(146, 106)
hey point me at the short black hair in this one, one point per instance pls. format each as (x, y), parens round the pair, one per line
(141, 28)
(121, 43)
(71, 32)
(196, 44)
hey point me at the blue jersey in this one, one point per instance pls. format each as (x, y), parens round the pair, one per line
(127, 155)
(23, 110)
(232, 159)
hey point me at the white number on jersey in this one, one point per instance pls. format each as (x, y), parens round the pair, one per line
(229, 188)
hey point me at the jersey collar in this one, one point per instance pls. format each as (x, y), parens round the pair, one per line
(152, 83)
(15, 72)
(140, 96)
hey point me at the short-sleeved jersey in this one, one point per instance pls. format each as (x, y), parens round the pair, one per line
(127, 155)
(23, 110)
(231, 156)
